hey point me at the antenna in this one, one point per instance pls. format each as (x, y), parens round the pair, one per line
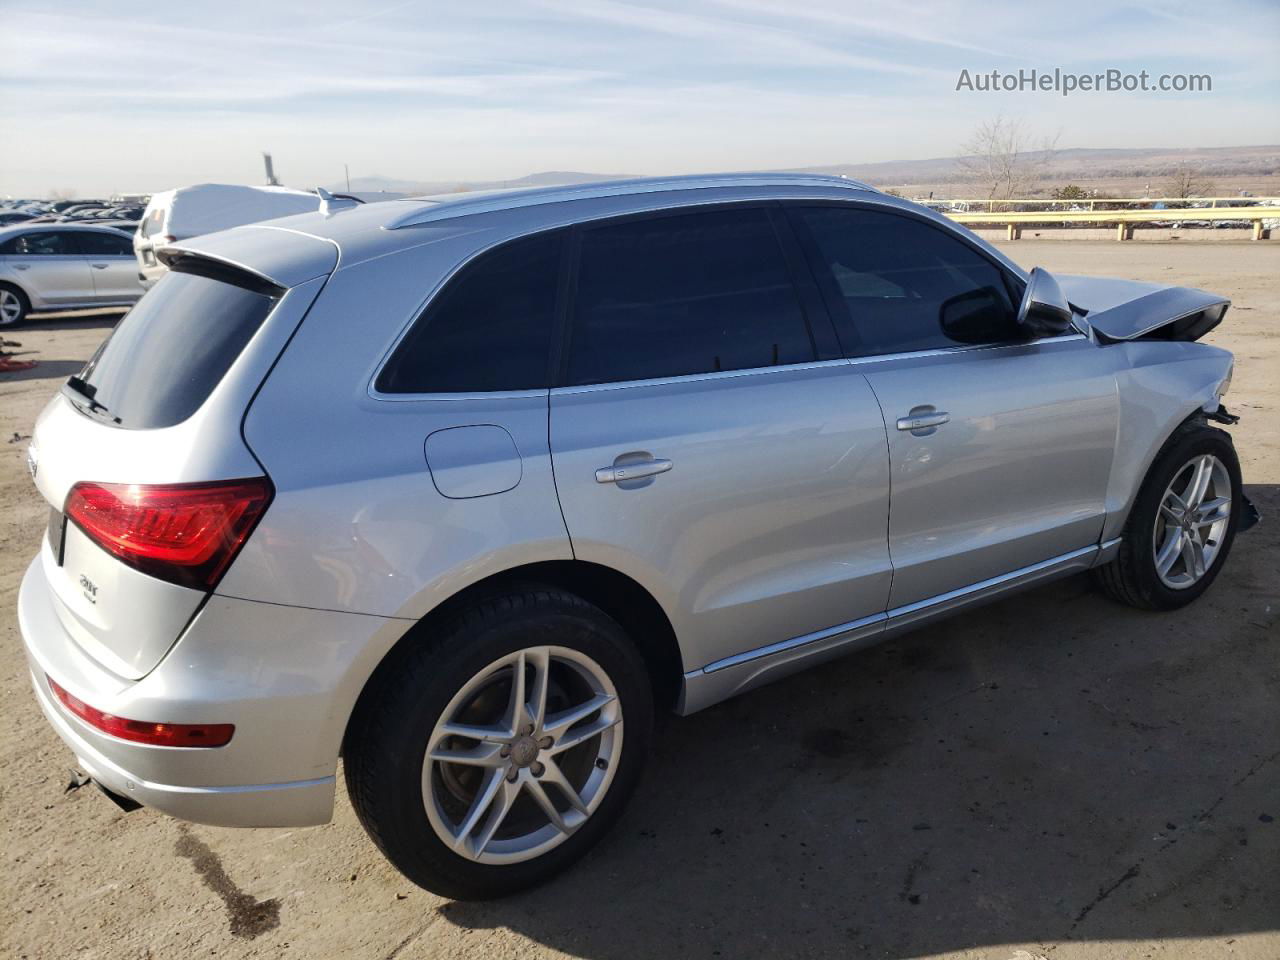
(347, 170)
(271, 170)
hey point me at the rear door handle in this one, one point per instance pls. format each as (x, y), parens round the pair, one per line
(100, 266)
(923, 420)
(632, 471)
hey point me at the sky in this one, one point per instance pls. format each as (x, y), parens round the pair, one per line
(103, 97)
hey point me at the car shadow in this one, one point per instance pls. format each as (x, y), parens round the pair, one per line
(1050, 767)
(43, 370)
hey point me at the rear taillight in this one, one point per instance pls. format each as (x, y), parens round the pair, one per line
(141, 731)
(186, 533)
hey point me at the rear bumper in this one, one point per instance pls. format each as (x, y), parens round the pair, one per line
(300, 803)
(287, 677)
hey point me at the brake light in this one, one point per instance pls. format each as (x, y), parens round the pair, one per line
(139, 731)
(185, 533)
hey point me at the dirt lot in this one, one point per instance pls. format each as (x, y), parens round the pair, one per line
(1052, 775)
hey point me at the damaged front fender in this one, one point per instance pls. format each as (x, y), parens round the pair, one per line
(1121, 310)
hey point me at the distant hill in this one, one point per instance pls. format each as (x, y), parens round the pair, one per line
(1081, 163)
(1236, 167)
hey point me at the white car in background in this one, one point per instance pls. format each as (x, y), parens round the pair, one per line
(61, 266)
(187, 212)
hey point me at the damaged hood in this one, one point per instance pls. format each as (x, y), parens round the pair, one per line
(1128, 310)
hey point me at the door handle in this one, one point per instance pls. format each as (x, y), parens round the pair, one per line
(923, 420)
(99, 266)
(632, 471)
(22, 266)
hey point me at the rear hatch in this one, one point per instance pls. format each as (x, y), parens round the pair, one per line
(150, 485)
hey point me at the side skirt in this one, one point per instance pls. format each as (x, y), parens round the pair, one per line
(745, 671)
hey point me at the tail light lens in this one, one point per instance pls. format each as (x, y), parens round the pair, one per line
(140, 731)
(185, 533)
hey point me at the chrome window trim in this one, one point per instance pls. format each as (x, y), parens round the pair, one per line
(971, 348)
(866, 196)
(696, 377)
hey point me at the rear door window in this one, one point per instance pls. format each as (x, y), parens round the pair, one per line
(45, 243)
(104, 244)
(684, 294)
(176, 344)
(490, 329)
(895, 284)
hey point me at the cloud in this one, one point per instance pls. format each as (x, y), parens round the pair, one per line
(193, 91)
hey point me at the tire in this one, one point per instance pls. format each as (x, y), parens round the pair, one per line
(10, 298)
(409, 803)
(1134, 577)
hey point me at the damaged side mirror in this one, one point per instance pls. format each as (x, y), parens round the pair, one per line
(1044, 311)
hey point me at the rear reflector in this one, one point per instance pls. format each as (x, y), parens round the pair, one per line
(185, 533)
(137, 731)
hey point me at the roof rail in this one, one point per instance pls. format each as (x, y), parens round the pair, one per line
(446, 207)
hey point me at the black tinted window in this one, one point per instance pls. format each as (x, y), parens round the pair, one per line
(895, 284)
(44, 243)
(175, 345)
(489, 329)
(692, 293)
(104, 244)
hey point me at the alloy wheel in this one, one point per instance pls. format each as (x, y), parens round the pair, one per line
(10, 307)
(523, 755)
(1195, 512)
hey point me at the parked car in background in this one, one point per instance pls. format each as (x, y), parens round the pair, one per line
(8, 217)
(465, 488)
(64, 267)
(187, 212)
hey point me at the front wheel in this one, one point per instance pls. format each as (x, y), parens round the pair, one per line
(1182, 523)
(14, 306)
(496, 754)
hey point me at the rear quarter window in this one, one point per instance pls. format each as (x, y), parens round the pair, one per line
(489, 329)
(170, 351)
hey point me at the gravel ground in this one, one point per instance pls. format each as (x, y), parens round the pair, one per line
(1049, 776)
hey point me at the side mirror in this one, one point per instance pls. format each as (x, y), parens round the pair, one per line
(1044, 311)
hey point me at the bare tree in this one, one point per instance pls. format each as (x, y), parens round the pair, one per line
(1187, 181)
(1005, 158)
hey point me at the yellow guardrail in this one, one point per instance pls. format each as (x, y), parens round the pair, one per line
(1123, 219)
(1091, 201)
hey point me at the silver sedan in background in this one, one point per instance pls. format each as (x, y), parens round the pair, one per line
(56, 266)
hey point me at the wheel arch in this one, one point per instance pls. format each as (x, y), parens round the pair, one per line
(618, 595)
(6, 281)
(1159, 394)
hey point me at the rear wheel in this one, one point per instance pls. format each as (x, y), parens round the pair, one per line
(497, 754)
(1182, 524)
(14, 305)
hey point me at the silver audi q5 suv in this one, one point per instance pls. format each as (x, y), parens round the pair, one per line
(465, 490)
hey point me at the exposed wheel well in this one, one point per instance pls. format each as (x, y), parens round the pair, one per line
(622, 598)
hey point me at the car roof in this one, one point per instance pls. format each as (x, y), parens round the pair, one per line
(286, 251)
(16, 228)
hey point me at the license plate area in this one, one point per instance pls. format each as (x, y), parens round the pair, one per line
(56, 531)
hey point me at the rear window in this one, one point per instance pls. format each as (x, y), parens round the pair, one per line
(174, 346)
